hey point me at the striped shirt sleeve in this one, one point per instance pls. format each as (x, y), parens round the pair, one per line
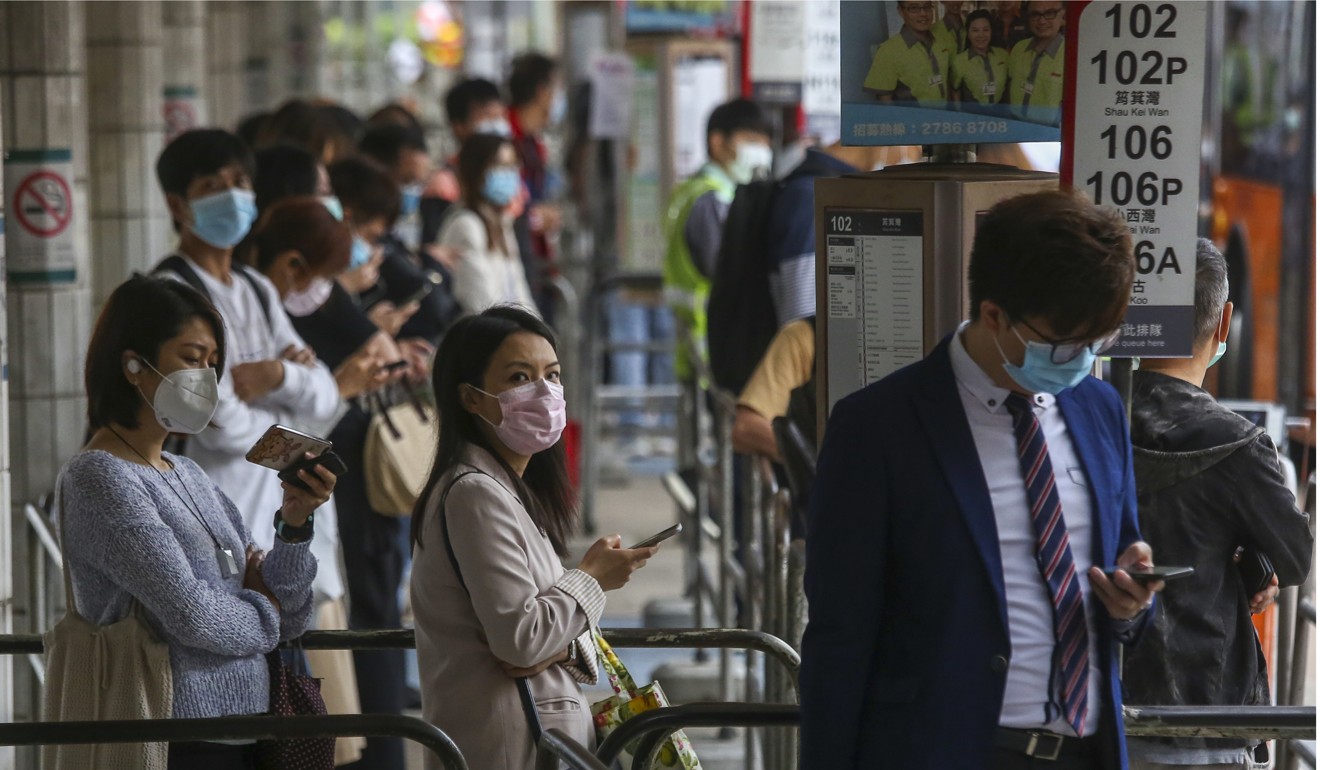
(585, 670)
(586, 591)
(591, 598)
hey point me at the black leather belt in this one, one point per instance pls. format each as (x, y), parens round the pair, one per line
(1041, 744)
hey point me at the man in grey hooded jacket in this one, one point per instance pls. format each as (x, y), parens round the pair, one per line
(1208, 482)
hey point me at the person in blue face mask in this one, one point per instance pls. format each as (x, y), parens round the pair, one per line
(479, 229)
(964, 512)
(270, 375)
(402, 151)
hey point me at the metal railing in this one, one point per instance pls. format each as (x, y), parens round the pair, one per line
(601, 397)
(556, 746)
(236, 728)
(1295, 753)
(757, 580)
(651, 728)
(1267, 722)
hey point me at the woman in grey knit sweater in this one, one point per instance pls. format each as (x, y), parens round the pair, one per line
(143, 524)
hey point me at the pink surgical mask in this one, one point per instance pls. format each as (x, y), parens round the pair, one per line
(534, 416)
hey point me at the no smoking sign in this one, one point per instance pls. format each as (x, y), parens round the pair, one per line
(40, 239)
(43, 204)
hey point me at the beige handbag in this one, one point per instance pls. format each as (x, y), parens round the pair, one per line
(400, 449)
(119, 671)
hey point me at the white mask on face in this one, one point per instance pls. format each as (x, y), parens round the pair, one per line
(496, 126)
(301, 304)
(185, 400)
(751, 162)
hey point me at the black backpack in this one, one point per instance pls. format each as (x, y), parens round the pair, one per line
(180, 267)
(741, 318)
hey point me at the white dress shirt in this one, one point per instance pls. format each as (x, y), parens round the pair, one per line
(1030, 610)
(308, 396)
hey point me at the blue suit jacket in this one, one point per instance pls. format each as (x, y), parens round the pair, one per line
(905, 655)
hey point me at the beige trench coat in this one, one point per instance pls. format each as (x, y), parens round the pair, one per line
(523, 608)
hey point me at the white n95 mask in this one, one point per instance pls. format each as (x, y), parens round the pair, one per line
(185, 400)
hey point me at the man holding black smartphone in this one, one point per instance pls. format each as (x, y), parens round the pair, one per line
(1210, 493)
(963, 514)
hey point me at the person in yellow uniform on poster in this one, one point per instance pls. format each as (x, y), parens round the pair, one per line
(951, 29)
(1036, 66)
(979, 74)
(912, 67)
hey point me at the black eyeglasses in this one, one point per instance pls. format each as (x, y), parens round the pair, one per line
(1063, 351)
(1049, 15)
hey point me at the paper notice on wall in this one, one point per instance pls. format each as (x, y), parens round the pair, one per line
(700, 85)
(820, 71)
(875, 294)
(777, 47)
(612, 76)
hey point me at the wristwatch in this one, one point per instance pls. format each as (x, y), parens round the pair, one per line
(291, 534)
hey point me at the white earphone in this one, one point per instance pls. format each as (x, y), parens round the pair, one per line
(133, 366)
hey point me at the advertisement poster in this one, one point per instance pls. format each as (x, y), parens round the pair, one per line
(679, 15)
(1136, 145)
(925, 72)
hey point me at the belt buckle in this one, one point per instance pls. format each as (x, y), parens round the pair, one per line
(1042, 749)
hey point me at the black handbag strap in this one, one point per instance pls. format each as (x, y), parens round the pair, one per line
(524, 687)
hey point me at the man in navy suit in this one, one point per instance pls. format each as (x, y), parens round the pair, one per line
(963, 512)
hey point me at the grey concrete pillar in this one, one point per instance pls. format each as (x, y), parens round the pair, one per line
(332, 63)
(306, 49)
(130, 226)
(6, 528)
(356, 94)
(275, 65)
(44, 111)
(184, 48)
(265, 39)
(47, 303)
(226, 57)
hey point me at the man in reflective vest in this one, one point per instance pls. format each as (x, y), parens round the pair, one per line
(738, 145)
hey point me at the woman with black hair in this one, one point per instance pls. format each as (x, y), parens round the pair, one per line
(141, 525)
(489, 268)
(500, 624)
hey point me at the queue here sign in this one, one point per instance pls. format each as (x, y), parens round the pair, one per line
(1132, 128)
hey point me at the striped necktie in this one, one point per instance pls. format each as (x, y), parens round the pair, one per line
(1054, 557)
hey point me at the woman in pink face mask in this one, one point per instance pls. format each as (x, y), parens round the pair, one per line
(498, 618)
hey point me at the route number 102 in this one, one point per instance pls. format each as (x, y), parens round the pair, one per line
(1141, 19)
(841, 224)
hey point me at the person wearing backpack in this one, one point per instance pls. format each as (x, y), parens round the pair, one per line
(270, 374)
(738, 145)
(765, 276)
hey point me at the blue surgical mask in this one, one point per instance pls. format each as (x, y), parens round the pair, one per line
(502, 186)
(410, 200)
(223, 218)
(361, 253)
(332, 204)
(1223, 348)
(1039, 374)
